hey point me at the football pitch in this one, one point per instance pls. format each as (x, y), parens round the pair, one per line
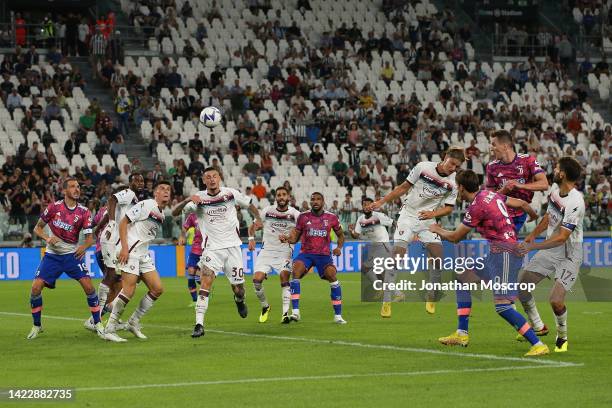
(240, 362)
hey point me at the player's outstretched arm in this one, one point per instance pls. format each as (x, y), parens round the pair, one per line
(255, 213)
(540, 183)
(437, 213)
(178, 209)
(397, 192)
(451, 236)
(540, 228)
(290, 238)
(556, 240)
(39, 230)
(252, 229)
(522, 205)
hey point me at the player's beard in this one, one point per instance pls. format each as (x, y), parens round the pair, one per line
(282, 204)
(557, 178)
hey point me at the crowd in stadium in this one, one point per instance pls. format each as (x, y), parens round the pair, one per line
(368, 134)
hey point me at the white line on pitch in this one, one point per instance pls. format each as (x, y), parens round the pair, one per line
(314, 378)
(345, 343)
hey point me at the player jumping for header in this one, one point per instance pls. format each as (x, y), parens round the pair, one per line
(429, 192)
(513, 174)
(487, 212)
(314, 227)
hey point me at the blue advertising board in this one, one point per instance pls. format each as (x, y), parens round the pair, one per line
(21, 263)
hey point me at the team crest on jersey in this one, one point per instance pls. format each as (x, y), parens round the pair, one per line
(76, 219)
(520, 169)
(325, 222)
(207, 259)
(401, 232)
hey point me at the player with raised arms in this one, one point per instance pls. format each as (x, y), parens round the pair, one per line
(560, 253)
(274, 255)
(487, 212)
(429, 192)
(193, 276)
(118, 204)
(66, 220)
(314, 228)
(514, 174)
(137, 228)
(217, 216)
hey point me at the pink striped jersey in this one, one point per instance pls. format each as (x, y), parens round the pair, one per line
(99, 215)
(66, 224)
(522, 169)
(192, 222)
(315, 231)
(489, 215)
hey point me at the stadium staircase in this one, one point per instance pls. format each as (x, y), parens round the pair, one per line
(136, 148)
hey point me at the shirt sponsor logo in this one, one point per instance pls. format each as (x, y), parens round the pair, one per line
(216, 211)
(312, 232)
(62, 225)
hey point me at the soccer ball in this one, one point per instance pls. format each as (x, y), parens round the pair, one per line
(210, 117)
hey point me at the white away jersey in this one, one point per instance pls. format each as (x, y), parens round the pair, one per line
(429, 191)
(277, 222)
(146, 219)
(566, 212)
(374, 228)
(218, 218)
(126, 199)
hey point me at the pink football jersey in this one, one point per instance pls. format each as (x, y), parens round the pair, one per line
(315, 231)
(489, 215)
(523, 169)
(66, 224)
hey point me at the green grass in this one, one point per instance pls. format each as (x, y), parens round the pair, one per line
(353, 375)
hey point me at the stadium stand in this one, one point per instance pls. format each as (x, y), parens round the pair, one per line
(346, 107)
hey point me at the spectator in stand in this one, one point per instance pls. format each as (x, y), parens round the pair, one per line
(267, 166)
(251, 169)
(14, 101)
(196, 147)
(316, 159)
(123, 107)
(97, 50)
(259, 190)
(53, 112)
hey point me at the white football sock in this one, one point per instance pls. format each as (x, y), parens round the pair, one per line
(201, 307)
(286, 296)
(532, 312)
(118, 307)
(261, 295)
(103, 290)
(145, 304)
